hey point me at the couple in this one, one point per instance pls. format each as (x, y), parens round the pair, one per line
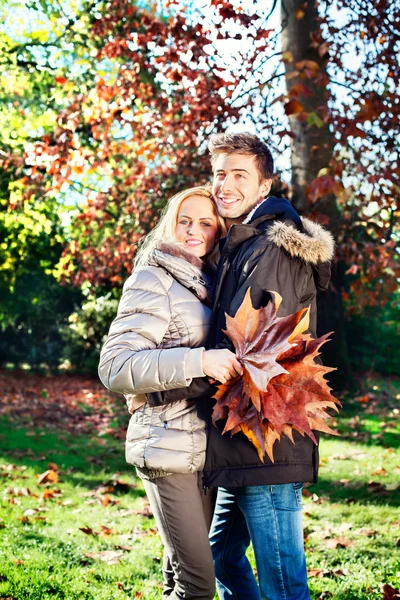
(173, 308)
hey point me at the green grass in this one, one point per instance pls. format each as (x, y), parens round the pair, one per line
(351, 517)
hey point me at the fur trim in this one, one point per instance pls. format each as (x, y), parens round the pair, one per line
(314, 246)
(178, 250)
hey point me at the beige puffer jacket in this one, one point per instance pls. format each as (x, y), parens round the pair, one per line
(155, 344)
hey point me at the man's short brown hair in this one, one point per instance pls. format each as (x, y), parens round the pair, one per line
(243, 143)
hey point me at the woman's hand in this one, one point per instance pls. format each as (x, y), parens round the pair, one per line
(221, 365)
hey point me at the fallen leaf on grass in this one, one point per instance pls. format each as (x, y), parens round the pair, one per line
(126, 548)
(137, 533)
(52, 467)
(108, 556)
(14, 501)
(316, 573)
(15, 491)
(145, 511)
(88, 531)
(104, 530)
(107, 500)
(24, 519)
(367, 532)
(389, 592)
(126, 512)
(380, 471)
(48, 476)
(339, 542)
(48, 494)
(18, 561)
(391, 487)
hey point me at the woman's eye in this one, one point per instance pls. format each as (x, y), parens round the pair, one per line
(206, 224)
(183, 222)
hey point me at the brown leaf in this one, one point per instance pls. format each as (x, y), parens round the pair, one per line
(88, 531)
(49, 476)
(104, 530)
(282, 388)
(53, 467)
(51, 493)
(316, 572)
(293, 107)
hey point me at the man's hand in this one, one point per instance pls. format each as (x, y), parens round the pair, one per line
(221, 365)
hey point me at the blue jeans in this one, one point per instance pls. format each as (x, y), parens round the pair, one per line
(270, 517)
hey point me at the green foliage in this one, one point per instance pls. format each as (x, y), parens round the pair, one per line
(374, 339)
(32, 316)
(86, 329)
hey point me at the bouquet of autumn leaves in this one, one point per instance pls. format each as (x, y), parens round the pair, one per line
(282, 388)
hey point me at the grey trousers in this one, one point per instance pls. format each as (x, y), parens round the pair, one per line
(183, 514)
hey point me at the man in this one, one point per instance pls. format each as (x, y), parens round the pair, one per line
(268, 248)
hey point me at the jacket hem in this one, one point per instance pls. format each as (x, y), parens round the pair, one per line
(260, 475)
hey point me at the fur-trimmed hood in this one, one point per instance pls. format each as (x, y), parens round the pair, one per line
(298, 236)
(315, 245)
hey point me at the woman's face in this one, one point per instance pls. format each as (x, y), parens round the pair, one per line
(197, 225)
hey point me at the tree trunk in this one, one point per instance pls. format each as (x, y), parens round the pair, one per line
(312, 147)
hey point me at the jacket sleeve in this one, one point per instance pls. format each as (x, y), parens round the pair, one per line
(199, 388)
(131, 361)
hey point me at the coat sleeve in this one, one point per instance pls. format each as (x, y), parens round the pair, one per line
(131, 360)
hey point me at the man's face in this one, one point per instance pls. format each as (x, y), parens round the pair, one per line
(236, 186)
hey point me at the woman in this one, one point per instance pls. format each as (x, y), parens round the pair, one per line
(156, 344)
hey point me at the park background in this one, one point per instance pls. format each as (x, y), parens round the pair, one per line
(106, 108)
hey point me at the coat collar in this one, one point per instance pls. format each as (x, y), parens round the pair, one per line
(186, 268)
(303, 239)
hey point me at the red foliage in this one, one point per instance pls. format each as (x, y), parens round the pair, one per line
(130, 139)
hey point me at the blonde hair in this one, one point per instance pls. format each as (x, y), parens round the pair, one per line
(165, 228)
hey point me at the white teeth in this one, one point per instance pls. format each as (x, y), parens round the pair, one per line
(229, 200)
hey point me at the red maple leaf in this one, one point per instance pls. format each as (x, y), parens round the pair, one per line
(282, 387)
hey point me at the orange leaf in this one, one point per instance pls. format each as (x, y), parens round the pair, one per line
(48, 476)
(282, 388)
(293, 107)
